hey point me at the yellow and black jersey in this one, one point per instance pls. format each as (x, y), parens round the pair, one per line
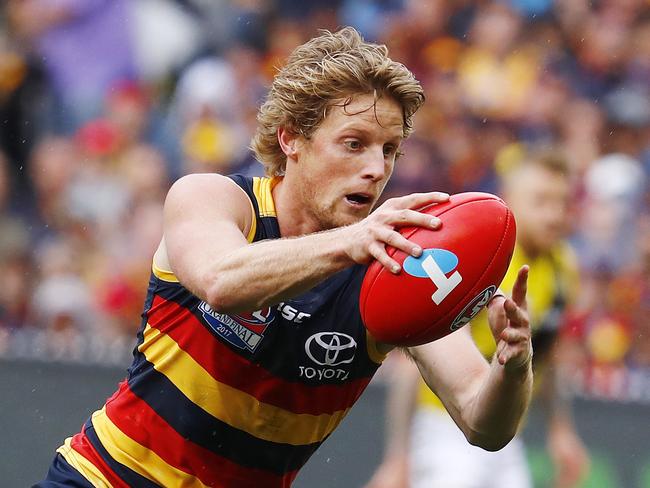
(239, 400)
(552, 284)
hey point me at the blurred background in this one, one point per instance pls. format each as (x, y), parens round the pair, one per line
(104, 103)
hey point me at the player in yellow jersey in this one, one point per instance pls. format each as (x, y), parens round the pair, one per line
(425, 448)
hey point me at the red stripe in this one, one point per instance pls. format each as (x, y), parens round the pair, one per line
(141, 423)
(82, 445)
(230, 368)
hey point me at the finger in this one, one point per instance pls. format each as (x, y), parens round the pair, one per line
(520, 287)
(378, 252)
(515, 356)
(513, 336)
(497, 316)
(495, 305)
(505, 354)
(398, 241)
(500, 347)
(417, 200)
(510, 355)
(517, 316)
(408, 217)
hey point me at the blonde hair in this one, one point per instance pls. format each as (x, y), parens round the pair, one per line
(329, 69)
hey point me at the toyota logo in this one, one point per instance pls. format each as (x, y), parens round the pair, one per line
(331, 348)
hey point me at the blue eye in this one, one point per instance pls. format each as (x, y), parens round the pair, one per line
(352, 144)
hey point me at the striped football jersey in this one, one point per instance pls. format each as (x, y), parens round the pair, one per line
(230, 400)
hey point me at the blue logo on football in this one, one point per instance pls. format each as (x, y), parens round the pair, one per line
(446, 261)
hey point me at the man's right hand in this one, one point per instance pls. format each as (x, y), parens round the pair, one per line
(367, 239)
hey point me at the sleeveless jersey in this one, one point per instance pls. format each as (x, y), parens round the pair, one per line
(552, 284)
(239, 400)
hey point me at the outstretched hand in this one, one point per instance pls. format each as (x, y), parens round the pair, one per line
(510, 325)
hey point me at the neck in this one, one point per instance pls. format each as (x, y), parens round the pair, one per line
(292, 214)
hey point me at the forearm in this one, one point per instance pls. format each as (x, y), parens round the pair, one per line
(205, 246)
(495, 413)
(268, 272)
(400, 408)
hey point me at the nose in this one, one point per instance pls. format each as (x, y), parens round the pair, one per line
(375, 165)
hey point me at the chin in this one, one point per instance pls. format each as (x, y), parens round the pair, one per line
(333, 217)
(338, 222)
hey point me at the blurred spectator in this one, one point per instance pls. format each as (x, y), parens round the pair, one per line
(144, 170)
(129, 248)
(85, 47)
(12, 68)
(14, 258)
(639, 355)
(52, 165)
(21, 90)
(581, 128)
(236, 21)
(212, 106)
(14, 238)
(128, 111)
(97, 197)
(614, 186)
(494, 76)
(164, 36)
(414, 46)
(61, 301)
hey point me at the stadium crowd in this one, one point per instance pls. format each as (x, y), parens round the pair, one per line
(103, 103)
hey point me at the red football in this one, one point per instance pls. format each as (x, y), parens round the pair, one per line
(462, 264)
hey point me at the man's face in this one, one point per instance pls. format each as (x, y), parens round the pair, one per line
(539, 199)
(345, 165)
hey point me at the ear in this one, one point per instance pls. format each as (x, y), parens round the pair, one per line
(288, 141)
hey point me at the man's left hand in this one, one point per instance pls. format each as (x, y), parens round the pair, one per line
(510, 325)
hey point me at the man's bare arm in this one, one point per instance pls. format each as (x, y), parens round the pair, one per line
(487, 401)
(206, 218)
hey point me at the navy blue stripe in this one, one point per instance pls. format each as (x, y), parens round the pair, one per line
(125, 473)
(178, 294)
(267, 227)
(198, 426)
(62, 475)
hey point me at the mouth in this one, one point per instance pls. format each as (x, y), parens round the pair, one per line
(358, 199)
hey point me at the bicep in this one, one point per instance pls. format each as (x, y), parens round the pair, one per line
(453, 368)
(205, 218)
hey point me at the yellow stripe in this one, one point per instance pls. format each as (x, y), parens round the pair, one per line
(238, 409)
(137, 457)
(262, 190)
(251, 232)
(87, 469)
(163, 274)
(253, 228)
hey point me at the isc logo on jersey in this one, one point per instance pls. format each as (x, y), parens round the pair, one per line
(436, 264)
(245, 330)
